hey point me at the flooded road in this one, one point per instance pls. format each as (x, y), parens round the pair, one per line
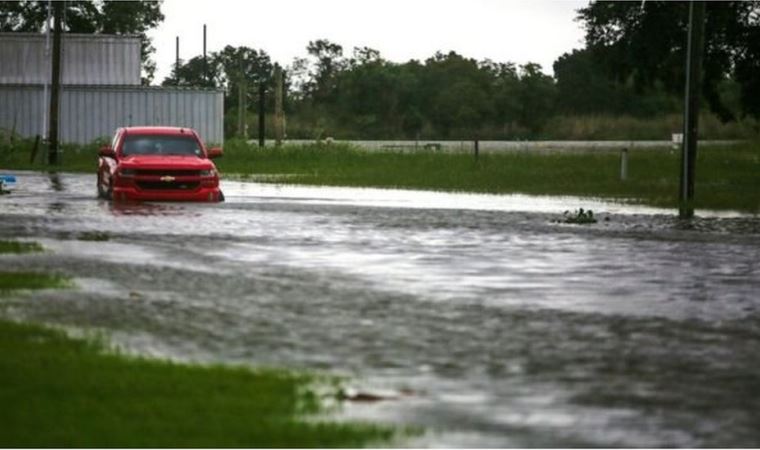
(501, 325)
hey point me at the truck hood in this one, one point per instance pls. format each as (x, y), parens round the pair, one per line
(165, 162)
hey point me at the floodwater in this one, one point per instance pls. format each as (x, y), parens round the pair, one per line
(488, 321)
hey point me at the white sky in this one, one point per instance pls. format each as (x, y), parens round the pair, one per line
(516, 31)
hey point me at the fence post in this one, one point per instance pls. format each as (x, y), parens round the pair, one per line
(623, 164)
(262, 114)
(477, 149)
(279, 116)
(35, 149)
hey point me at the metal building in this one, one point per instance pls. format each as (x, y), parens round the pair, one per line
(100, 90)
(86, 59)
(92, 112)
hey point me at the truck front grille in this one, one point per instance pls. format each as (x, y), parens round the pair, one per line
(171, 173)
(168, 185)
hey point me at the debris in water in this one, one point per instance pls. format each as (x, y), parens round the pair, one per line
(7, 182)
(579, 216)
(354, 395)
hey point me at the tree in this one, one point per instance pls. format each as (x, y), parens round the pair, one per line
(506, 90)
(537, 96)
(456, 94)
(647, 42)
(328, 63)
(196, 73)
(244, 66)
(108, 16)
(583, 86)
(134, 17)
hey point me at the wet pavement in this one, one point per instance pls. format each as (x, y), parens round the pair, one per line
(489, 320)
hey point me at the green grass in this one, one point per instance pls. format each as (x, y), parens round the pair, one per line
(62, 392)
(727, 177)
(19, 247)
(11, 281)
(73, 158)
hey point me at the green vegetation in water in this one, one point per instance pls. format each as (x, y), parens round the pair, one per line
(62, 392)
(579, 216)
(19, 247)
(93, 236)
(11, 281)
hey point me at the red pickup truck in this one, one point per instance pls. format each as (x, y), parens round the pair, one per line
(158, 163)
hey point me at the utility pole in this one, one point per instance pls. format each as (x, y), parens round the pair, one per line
(176, 63)
(262, 113)
(205, 61)
(55, 84)
(45, 101)
(691, 107)
(279, 116)
(241, 100)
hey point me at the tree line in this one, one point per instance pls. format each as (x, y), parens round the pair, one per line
(632, 65)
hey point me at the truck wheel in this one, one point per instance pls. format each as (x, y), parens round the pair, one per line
(105, 194)
(101, 192)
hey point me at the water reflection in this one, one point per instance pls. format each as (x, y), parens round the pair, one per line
(57, 207)
(143, 209)
(55, 182)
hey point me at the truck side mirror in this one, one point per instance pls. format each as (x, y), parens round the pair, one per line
(107, 151)
(215, 152)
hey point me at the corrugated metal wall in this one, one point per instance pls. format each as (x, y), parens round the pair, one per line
(86, 59)
(91, 112)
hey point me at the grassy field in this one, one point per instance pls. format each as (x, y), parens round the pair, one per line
(74, 158)
(58, 391)
(727, 177)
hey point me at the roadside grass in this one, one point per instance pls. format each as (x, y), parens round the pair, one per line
(73, 158)
(58, 391)
(62, 392)
(19, 247)
(727, 177)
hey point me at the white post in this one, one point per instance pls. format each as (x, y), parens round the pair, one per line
(623, 164)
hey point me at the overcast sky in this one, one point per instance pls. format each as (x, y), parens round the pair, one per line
(516, 31)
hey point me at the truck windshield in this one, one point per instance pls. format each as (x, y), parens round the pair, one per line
(161, 145)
